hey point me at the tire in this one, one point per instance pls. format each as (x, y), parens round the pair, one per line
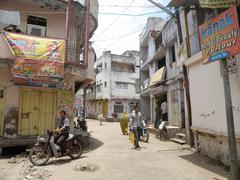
(76, 151)
(40, 154)
(145, 136)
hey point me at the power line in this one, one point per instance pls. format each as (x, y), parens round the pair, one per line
(128, 34)
(116, 18)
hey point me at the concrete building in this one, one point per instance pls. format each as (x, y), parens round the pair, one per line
(161, 75)
(149, 62)
(117, 83)
(208, 111)
(29, 106)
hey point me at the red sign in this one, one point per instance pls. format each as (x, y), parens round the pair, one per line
(220, 36)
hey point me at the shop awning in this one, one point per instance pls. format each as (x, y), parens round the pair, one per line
(157, 76)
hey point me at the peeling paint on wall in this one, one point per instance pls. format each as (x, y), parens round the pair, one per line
(11, 123)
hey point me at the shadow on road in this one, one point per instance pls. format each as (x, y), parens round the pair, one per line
(93, 144)
(206, 163)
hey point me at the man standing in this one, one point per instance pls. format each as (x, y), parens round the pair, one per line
(62, 131)
(135, 125)
(164, 111)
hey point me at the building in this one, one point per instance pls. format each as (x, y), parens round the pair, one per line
(117, 84)
(150, 63)
(36, 86)
(162, 75)
(207, 117)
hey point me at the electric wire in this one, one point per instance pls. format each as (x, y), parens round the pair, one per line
(102, 32)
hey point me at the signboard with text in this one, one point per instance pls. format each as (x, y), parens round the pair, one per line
(220, 36)
(39, 61)
(218, 3)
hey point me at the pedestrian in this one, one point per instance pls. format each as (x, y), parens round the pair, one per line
(135, 125)
(164, 111)
(100, 118)
(124, 123)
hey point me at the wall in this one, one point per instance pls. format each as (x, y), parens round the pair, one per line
(5, 51)
(11, 93)
(208, 108)
(53, 22)
(207, 96)
(104, 76)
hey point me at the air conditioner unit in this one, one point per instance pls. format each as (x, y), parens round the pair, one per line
(36, 30)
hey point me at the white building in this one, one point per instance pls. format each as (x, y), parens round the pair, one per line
(117, 83)
(149, 62)
(208, 110)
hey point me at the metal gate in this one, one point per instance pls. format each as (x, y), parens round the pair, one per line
(37, 111)
(1, 109)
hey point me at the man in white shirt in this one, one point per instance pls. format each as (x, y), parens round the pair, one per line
(164, 111)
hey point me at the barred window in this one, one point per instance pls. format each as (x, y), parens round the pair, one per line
(118, 108)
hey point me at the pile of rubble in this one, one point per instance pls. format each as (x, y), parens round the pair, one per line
(30, 171)
(86, 167)
(18, 159)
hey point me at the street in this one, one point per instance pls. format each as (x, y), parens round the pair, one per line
(113, 158)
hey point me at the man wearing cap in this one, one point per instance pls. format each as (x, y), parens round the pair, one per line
(135, 125)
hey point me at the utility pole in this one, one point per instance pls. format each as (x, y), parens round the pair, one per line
(233, 157)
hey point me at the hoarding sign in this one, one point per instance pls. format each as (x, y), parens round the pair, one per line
(39, 61)
(220, 36)
(36, 48)
(218, 3)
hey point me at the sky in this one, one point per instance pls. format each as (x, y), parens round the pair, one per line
(121, 22)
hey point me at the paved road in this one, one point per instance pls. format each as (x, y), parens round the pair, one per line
(116, 160)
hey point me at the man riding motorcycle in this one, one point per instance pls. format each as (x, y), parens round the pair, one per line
(62, 131)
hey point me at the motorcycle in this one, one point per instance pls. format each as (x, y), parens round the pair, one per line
(81, 124)
(162, 132)
(46, 148)
(144, 133)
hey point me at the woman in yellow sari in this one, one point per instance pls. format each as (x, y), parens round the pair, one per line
(124, 123)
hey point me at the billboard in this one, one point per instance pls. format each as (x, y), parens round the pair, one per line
(218, 3)
(39, 61)
(36, 48)
(220, 36)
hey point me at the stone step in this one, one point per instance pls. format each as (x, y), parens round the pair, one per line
(181, 135)
(179, 141)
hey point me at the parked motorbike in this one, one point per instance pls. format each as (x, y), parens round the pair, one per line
(161, 132)
(144, 133)
(46, 148)
(81, 124)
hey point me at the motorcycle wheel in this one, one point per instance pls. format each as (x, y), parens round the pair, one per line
(39, 157)
(76, 151)
(145, 136)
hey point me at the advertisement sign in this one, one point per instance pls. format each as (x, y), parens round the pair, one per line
(36, 48)
(32, 68)
(218, 3)
(220, 36)
(39, 61)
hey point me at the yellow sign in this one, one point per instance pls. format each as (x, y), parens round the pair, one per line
(218, 3)
(36, 48)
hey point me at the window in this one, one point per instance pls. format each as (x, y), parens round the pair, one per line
(118, 108)
(121, 85)
(173, 54)
(105, 84)
(99, 88)
(36, 26)
(105, 65)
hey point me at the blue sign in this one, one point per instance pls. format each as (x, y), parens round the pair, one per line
(219, 56)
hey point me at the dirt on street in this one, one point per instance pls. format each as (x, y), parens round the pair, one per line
(111, 157)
